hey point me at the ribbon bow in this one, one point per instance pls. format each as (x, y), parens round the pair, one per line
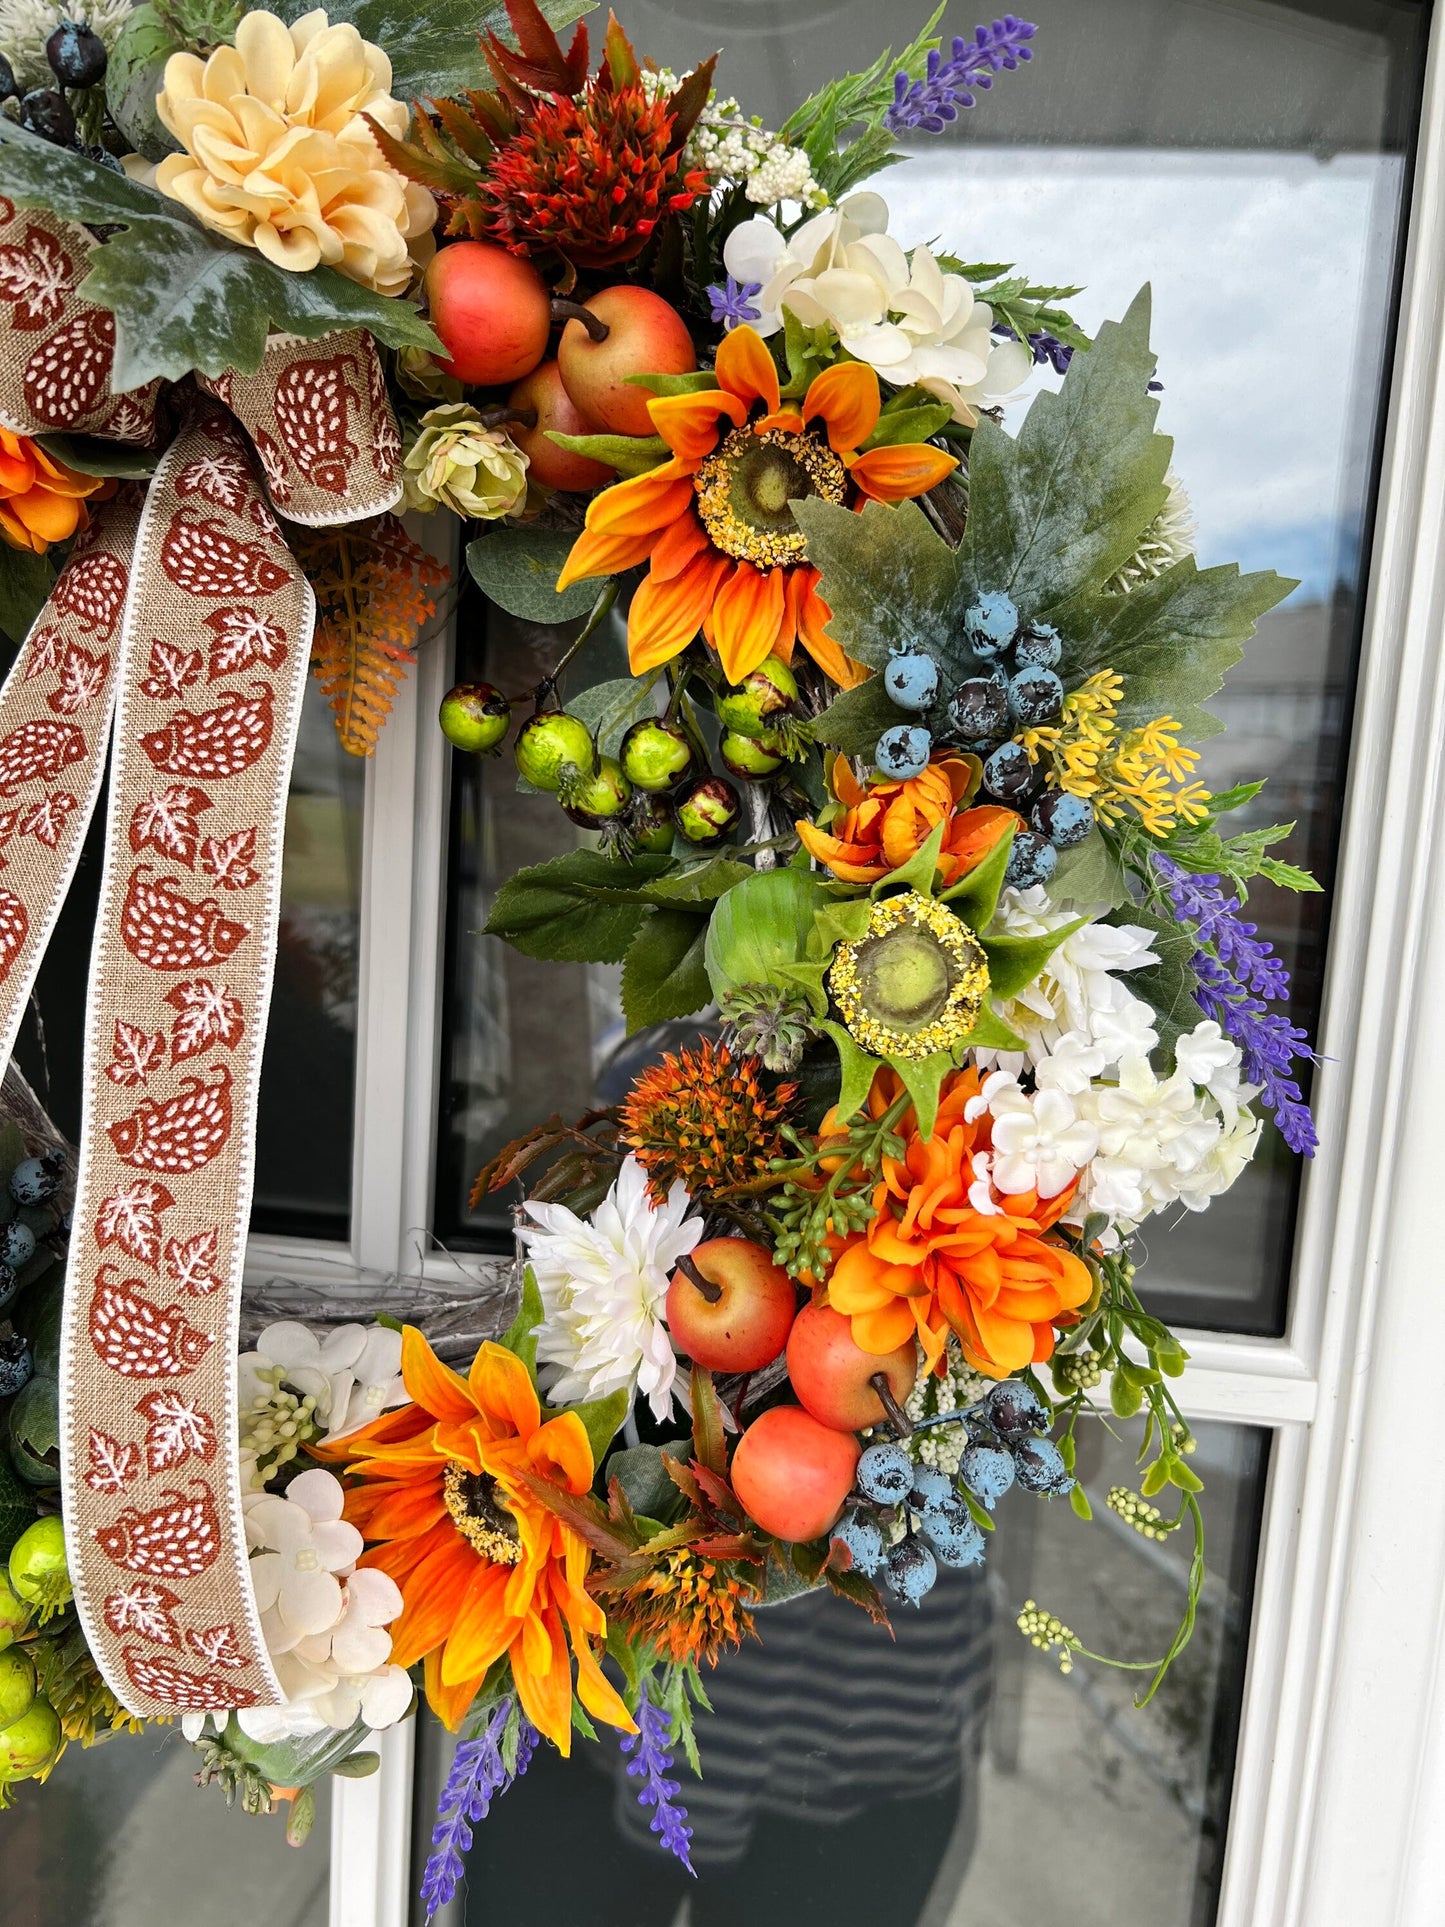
(177, 638)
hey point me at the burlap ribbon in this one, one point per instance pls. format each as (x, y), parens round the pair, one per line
(183, 617)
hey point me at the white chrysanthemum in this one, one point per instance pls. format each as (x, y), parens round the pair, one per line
(604, 1289)
(899, 312)
(26, 25)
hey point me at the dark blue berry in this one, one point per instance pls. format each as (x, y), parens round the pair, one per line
(37, 1178)
(16, 1364)
(1035, 696)
(1040, 1467)
(988, 1472)
(1038, 647)
(7, 1284)
(991, 624)
(1033, 859)
(912, 1570)
(954, 1537)
(1008, 774)
(49, 115)
(911, 680)
(8, 89)
(17, 1246)
(1064, 819)
(864, 1542)
(1015, 1410)
(885, 1473)
(903, 751)
(978, 711)
(931, 1488)
(76, 55)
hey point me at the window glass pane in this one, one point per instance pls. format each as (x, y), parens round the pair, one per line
(850, 1779)
(121, 1836)
(303, 1152)
(1251, 160)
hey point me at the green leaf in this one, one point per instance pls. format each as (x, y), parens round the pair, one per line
(709, 1441)
(1184, 1476)
(854, 720)
(889, 580)
(979, 1513)
(766, 920)
(435, 51)
(975, 897)
(89, 455)
(1288, 876)
(1056, 511)
(1090, 874)
(1014, 962)
(182, 297)
(640, 1471)
(1124, 1397)
(1156, 1478)
(25, 582)
(602, 1419)
(17, 1507)
(700, 884)
(843, 921)
(923, 1079)
(690, 384)
(609, 709)
(915, 424)
(520, 1338)
(919, 871)
(663, 973)
(989, 1032)
(1079, 1503)
(1222, 801)
(518, 570)
(583, 907)
(628, 454)
(858, 1070)
(1168, 986)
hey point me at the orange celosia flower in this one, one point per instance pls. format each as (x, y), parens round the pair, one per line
(886, 824)
(726, 555)
(485, 1568)
(41, 500)
(929, 1261)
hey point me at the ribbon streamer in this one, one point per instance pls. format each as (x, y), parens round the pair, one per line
(183, 622)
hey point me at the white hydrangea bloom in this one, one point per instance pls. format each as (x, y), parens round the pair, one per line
(604, 1289)
(299, 1544)
(1040, 1142)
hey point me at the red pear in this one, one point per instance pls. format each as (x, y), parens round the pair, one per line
(492, 311)
(737, 1319)
(645, 336)
(833, 1376)
(554, 467)
(792, 1475)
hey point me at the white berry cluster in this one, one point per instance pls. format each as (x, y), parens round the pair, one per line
(742, 153)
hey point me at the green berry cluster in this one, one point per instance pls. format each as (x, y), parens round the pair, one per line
(1078, 1371)
(1145, 1519)
(1049, 1634)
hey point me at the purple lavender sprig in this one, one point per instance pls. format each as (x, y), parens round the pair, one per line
(954, 81)
(1239, 975)
(650, 1761)
(478, 1776)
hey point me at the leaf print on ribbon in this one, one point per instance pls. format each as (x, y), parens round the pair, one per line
(177, 1540)
(131, 1218)
(144, 1607)
(166, 822)
(243, 637)
(192, 1264)
(210, 1014)
(176, 1430)
(223, 478)
(217, 1646)
(172, 671)
(112, 1465)
(36, 275)
(46, 651)
(45, 820)
(82, 678)
(231, 860)
(137, 1054)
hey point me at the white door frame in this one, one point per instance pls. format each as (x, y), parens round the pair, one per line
(1338, 1815)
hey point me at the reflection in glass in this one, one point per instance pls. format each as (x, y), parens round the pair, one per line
(1251, 160)
(121, 1836)
(849, 1779)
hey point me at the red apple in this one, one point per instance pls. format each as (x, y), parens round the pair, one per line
(492, 311)
(738, 1319)
(555, 467)
(792, 1474)
(645, 336)
(832, 1376)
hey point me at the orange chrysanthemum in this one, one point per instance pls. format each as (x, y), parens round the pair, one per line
(485, 1567)
(884, 825)
(929, 1262)
(702, 1117)
(727, 556)
(41, 500)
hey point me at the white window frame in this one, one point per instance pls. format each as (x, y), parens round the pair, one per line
(1340, 1779)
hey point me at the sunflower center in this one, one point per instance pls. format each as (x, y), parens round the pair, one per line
(481, 1515)
(745, 486)
(915, 983)
(904, 977)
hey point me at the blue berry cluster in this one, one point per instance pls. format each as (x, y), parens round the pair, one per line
(33, 1185)
(1020, 690)
(1008, 1444)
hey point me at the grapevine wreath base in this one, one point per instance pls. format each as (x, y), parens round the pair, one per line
(897, 826)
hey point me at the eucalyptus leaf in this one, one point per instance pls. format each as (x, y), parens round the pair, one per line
(88, 455)
(643, 1476)
(182, 297)
(518, 570)
(663, 973)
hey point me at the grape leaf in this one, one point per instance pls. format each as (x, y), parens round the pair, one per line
(888, 578)
(580, 908)
(182, 297)
(664, 974)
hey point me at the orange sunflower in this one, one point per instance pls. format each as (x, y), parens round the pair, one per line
(727, 556)
(485, 1568)
(929, 1261)
(884, 824)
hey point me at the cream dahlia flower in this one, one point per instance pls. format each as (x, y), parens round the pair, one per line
(457, 464)
(279, 158)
